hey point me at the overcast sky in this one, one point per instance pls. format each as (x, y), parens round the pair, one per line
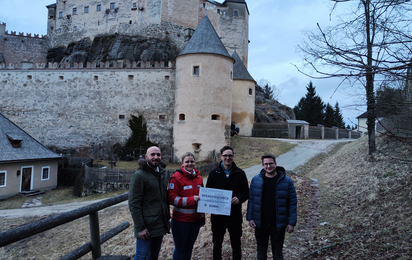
(275, 28)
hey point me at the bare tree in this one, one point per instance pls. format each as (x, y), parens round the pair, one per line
(370, 43)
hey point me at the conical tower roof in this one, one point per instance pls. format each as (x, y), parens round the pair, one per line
(205, 40)
(239, 69)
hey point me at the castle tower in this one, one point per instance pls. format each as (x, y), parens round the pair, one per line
(203, 99)
(243, 97)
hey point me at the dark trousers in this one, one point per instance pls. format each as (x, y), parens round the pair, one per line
(235, 233)
(277, 237)
(184, 236)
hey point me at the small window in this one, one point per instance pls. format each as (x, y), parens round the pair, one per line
(167, 77)
(122, 117)
(59, 30)
(215, 117)
(235, 13)
(96, 77)
(196, 70)
(98, 8)
(130, 22)
(86, 9)
(45, 173)
(29, 77)
(218, 11)
(162, 117)
(3, 178)
(51, 28)
(204, 5)
(231, 75)
(112, 6)
(61, 77)
(182, 117)
(60, 14)
(74, 11)
(250, 91)
(134, 5)
(131, 77)
(74, 28)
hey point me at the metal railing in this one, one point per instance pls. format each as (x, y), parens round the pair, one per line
(33, 228)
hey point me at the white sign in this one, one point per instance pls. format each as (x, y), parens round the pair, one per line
(214, 201)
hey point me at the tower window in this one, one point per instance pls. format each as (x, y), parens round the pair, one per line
(96, 77)
(29, 77)
(112, 6)
(61, 77)
(131, 77)
(167, 77)
(218, 11)
(182, 117)
(122, 116)
(86, 9)
(235, 13)
(98, 8)
(215, 117)
(162, 117)
(60, 14)
(196, 70)
(250, 91)
(74, 11)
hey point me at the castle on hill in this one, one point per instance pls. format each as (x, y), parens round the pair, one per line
(188, 103)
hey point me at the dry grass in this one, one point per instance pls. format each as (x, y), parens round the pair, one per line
(248, 150)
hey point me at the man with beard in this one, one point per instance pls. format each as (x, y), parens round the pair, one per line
(148, 205)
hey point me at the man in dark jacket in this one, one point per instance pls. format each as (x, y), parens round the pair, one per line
(228, 177)
(148, 205)
(271, 208)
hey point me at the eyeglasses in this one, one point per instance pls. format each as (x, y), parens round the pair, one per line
(267, 164)
(227, 155)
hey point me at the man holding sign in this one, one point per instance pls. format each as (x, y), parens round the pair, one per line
(228, 177)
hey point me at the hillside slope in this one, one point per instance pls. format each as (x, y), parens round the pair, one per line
(365, 203)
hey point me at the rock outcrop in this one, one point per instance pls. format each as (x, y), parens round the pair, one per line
(114, 48)
(269, 110)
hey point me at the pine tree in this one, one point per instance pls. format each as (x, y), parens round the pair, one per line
(329, 116)
(310, 108)
(338, 117)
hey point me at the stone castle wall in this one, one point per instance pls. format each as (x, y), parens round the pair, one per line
(20, 48)
(71, 108)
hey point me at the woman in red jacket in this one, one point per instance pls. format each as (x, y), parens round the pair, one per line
(184, 195)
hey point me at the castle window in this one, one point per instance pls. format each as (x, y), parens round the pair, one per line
(3, 178)
(112, 6)
(74, 11)
(231, 75)
(98, 8)
(130, 22)
(60, 14)
(250, 91)
(96, 77)
(162, 117)
(29, 77)
(61, 77)
(74, 28)
(59, 30)
(131, 77)
(167, 77)
(122, 116)
(182, 117)
(196, 70)
(218, 11)
(235, 13)
(215, 117)
(45, 173)
(204, 5)
(86, 9)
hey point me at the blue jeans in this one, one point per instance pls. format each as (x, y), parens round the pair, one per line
(276, 236)
(148, 249)
(184, 236)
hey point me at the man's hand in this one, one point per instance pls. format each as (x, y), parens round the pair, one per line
(144, 234)
(252, 223)
(289, 228)
(235, 200)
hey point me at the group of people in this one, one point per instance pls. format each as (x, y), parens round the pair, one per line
(271, 209)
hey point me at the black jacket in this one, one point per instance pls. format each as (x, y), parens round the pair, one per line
(237, 183)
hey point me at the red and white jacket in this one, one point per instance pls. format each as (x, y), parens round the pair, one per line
(183, 186)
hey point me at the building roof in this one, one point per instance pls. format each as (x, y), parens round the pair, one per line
(205, 40)
(239, 69)
(302, 122)
(27, 147)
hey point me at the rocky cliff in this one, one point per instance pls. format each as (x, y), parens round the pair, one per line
(269, 110)
(114, 48)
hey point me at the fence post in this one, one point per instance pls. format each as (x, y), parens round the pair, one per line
(95, 235)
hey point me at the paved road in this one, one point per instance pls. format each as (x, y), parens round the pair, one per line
(298, 156)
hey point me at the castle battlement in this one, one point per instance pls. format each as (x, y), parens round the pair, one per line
(21, 34)
(93, 65)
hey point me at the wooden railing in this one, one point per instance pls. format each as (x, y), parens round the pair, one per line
(33, 228)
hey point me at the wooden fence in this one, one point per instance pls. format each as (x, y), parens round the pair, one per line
(33, 228)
